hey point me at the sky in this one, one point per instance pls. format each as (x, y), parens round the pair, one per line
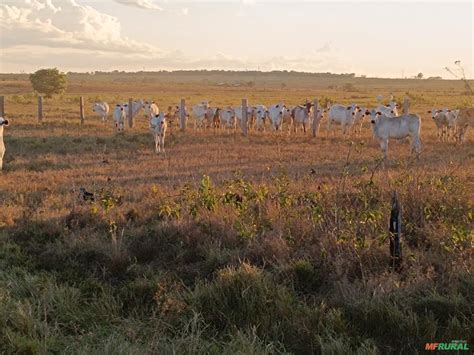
(377, 39)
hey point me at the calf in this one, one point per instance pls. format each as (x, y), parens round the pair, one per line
(302, 116)
(452, 118)
(261, 114)
(119, 116)
(3, 123)
(226, 117)
(343, 115)
(275, 114)
(465, 119)
(400, 127)
(136, 107)
(359, 118)
(440, 119)
(101, 109)
(151, 109)
(239, 115)
(158, 128)
(199, 113)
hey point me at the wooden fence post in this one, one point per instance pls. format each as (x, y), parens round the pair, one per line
(244, 117)
(81, 109)
(2, 106)
(316, 117)
(130, 113)
(406, 105)
(182, 115)
(395, 230)
(40, 108)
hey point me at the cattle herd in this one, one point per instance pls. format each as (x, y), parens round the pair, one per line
(386, 121)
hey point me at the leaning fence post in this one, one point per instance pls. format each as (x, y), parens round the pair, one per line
(316, 117)
(406, 105)
(81, 109)
(244, 117)
(40, 108)
(130, 113)
(395, 230)
(2, 106)
(182, 114)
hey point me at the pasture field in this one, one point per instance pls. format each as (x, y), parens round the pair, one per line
(271, 243)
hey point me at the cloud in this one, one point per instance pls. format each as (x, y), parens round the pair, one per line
(142, 4)
(68, 25)
(73, 36)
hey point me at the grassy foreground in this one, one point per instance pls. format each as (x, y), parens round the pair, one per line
(242, 268)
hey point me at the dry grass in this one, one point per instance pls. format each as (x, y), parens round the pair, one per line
(159, 256)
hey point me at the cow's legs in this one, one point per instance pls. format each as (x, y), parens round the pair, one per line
(329, 126)
(384, 147)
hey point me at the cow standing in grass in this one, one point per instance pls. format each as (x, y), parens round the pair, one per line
(102, 110)
(119, 117)
(158, 126)
(3, 123)
(226, 117)
(343, 115)
(302, 116)
(151, 109)
(261, 114)
(399, 127)
(440, 118)
(275, 115)
(465, 118)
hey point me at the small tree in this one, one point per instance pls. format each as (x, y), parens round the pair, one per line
(48, 81)
(419, 76)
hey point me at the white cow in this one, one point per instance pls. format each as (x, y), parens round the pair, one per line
(151, 109)
(359, 118)
(390, 110)
(158, 126)
(302, 116)
(275, 115)
(239, 115)
(226, 117)
(101, 109)
(452, 117)
(199, 113)
(120, 116)
(440, 118)
(261, 115)
(136, 107)
(343, 115)
(399, 127)
(465, 119)
(3, 123)
(287, 120)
